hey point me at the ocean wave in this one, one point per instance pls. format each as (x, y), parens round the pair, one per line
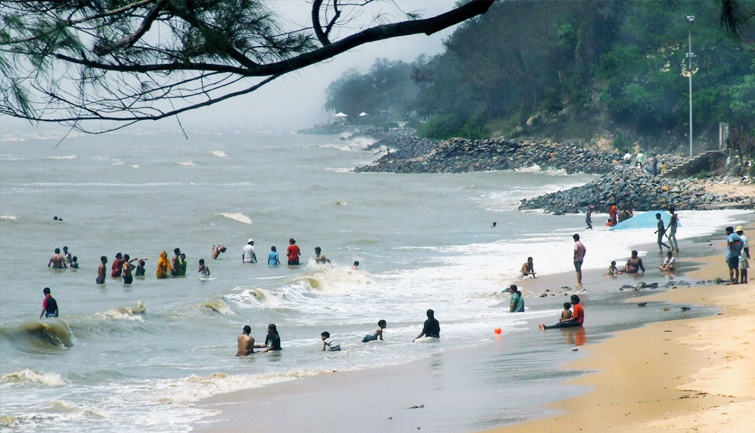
(118, 163)
(134, 166)
(240, 217)
(7, 217)
(340, 170)
(50, 333)
(28, 376)
(186, 163)
(218, 153)
(218, 306)
(11, 157)
(534, 168)
(62, 157)
(134, 312)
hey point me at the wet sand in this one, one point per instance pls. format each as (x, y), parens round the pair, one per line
(678, 376)
(661, 377)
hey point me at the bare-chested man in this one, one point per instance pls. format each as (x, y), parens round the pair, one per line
(246, 342)
(57, 261)
(102, 270)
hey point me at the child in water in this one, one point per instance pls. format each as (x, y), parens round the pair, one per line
(140, 268)
(566, 314)
(204, 270)
(74, 263)
(356, 265)
(613, 270)
(378, 333)
(328, 344)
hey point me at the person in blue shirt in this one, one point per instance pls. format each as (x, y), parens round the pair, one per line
(273, 259)
(517, 301)
(733, 249)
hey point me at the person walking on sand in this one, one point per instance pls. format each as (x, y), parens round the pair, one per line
(577, 318)
(661, 231)
(528, 268)
(431, 328)
(579, 257)
(733, 250)
(516, 304)
(293, 252)
(245, 342)
(744, 255)
(588, 217)
(57, 261)
(49, 305)
(672, 225)
(163, 266)
(247, 253)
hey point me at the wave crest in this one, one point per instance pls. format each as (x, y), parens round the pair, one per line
(28, 376)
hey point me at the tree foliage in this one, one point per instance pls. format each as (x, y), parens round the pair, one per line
(131, 60)
(579, 64)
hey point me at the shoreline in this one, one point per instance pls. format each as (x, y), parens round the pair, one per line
(682, 375)
(380, 399)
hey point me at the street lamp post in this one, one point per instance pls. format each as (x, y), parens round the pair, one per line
(689, 19)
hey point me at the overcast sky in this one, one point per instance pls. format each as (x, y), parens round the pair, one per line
(295, 101)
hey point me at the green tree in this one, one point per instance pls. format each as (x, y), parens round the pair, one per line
(131, 60)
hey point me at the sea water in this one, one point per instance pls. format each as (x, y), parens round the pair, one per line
(139, 357)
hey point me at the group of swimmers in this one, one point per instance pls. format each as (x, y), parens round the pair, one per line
(246, 346)
(64, 260)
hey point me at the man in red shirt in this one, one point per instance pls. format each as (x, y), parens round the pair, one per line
(578, 316)
(49, 305)
(293, 252)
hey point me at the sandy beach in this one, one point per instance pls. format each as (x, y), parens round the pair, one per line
(676, 376)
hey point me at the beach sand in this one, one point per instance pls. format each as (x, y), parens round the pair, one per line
(678, 376)
(682, 375)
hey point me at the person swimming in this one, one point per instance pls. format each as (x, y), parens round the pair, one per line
(378, 335)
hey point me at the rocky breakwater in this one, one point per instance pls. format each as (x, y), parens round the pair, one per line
(641, 190)
(458, 155)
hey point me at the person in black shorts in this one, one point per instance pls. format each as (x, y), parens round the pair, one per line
(49, 305)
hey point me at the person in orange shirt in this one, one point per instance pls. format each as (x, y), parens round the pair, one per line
(163, 266)
(577, 318)
(612, 211)
(293, 252)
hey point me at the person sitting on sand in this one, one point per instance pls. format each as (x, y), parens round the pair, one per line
(634, 264)
(612, 270)
(566, 314)
(431, 328)
(378, 335)
(57, 261)
(577, 318)
(217, 250)
(516, 305)
(272, 341)
(328, 344)
(204, 269)
(528, 268)
(246, 342)
(668, 263)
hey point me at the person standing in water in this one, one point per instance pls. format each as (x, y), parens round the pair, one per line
(273, 258)
(128, 266)
(203, 269)
(49, 305)
(320, 259)
(140, 271)
(293, 252)
(101, 270)
(431, 327)
(67, 256)
(175, 265)
(272, 340)
(578, 258)
(163, 266)
(182, 265)
(117, 266)
(588, 217)
(247, 253)
(57, 261)
(246, 342)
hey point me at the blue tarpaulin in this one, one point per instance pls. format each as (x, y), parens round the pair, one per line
(645, 220)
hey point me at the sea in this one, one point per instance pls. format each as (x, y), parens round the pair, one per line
(143, 357)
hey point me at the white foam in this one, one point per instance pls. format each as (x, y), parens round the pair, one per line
(62, 157)
(27, 376)
(240, 217)
(534, 168)
(8, 217)
(218, 153)
(186, 163)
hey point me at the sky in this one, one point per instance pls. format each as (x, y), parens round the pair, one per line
(295, 101)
